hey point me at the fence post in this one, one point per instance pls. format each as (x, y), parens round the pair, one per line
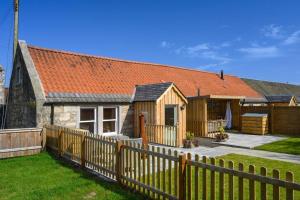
(119, 160)
(82, 150)
(142, 130)
(43, 137)
(60, 138)
(182, 176)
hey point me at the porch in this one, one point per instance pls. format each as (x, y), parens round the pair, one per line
(206, 114)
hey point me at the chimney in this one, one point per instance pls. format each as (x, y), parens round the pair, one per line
(198, 92)
(222, 74)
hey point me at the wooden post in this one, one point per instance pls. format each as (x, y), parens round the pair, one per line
(82, 150)
(119, 160)
(289, 191)
(142, 130)
(182, 176)
(271, 118)
(43, 137)
(60, 143)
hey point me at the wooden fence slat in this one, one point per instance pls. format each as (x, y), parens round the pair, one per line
(153, 171)
(182, 175)
(263, 186)
(221, 180)
(148, 170)
(196, 178)
(230, 181)
(170, 173)
(204, 182)
(189, 178)
(276, 190)
(213, 180)
(241, 183)
(164, 172)
(289, 191)
(176, 175)
(252, 195)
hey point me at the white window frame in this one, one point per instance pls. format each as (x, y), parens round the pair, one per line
(87, 121)
(116, 120)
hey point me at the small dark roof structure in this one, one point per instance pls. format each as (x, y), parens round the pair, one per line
(279, 99)
(150, 92)
(267, 88)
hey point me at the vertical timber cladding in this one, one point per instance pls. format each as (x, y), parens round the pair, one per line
(172, 97)
(148, 108)
(154, 111)
(197, 116)
(236, 113)
(286, 120)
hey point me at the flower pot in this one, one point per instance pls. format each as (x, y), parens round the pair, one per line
(188, 144)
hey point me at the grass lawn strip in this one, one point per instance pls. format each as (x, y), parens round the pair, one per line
(289, 146)
(43, 177)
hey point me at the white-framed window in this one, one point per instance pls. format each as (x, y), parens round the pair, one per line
(110, 120)
(18, 75)
(87, 119)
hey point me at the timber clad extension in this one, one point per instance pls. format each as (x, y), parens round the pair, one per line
(95, 93)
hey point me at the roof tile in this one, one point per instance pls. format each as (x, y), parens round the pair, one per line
(67, 72)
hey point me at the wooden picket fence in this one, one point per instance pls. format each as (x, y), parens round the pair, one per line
(162, 134)
(161, 173)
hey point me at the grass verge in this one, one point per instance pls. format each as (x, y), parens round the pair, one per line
(289, 146)
(42, 177)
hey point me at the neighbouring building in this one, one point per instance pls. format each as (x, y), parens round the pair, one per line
(97, 93)
(274, 93)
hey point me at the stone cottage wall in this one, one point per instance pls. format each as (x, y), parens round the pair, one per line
(21, 109)
(68, 116)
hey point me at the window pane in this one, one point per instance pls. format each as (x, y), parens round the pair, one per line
(109, 126)
(170, 116)
(89, 126)
(109, 113)
(87, 114)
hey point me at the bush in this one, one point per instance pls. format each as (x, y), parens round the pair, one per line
(190, 136)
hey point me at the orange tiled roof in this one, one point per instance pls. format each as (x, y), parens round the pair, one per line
(69, 72)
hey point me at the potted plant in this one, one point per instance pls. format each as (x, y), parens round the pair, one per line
(189, 141)
(221, 136)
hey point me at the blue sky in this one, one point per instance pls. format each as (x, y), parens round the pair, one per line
(255, 39)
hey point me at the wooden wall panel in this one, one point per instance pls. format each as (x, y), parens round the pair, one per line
(20, 142)
(197, 116)
(171, 97)
(286, 120)
(144, 107)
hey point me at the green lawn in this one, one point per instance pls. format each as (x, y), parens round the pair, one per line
(258, 163)
(290, 146)
(283, 167)
(43, 177)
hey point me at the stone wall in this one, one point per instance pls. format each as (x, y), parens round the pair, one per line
(126, 119)
(21, 111)
(68, 116)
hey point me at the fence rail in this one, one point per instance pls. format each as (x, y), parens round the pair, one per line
(162, 134)
(161, 173)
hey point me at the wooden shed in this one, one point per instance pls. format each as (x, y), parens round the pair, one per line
(255, 123)
(164, 108)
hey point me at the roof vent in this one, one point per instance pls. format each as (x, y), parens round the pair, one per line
(198, 92)
(222, 74)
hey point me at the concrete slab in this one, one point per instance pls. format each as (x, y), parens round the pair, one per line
(247, 141)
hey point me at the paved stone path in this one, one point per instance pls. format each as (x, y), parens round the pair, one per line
(224, 150)
(248, 141)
